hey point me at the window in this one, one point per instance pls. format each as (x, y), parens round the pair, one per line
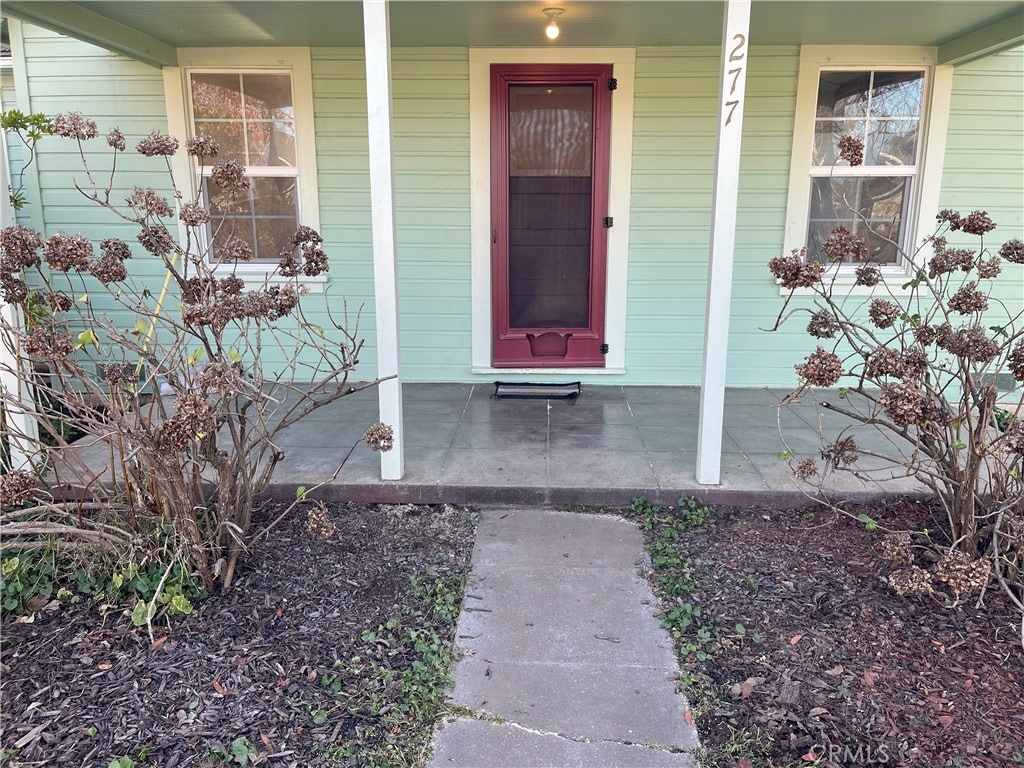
(258, 105)
(252, 117)
(895, 101)
(883, 110)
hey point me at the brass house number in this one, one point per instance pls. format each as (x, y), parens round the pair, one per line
(738, 54)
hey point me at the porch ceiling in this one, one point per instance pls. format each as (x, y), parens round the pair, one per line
(168, 24)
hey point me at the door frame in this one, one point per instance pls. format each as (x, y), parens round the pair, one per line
(581, 343)
(619, 184)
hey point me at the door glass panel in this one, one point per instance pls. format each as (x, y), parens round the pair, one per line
(551, 135)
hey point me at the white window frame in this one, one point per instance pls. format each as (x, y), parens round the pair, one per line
(923, 205)
(623, 61)
(294, 61)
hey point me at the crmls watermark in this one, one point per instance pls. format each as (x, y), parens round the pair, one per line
(841, 754)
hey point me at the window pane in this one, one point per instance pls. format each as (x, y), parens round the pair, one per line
(217, 96)
(223, 203)
(891, 142)
(271, 143)
(897, 94)
(268, 97)
(843, 94)
(230, 135)
(274, 196)
(273, 235)
(826, 139)
(870, 207)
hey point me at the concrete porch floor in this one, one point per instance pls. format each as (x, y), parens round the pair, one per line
(611, 444)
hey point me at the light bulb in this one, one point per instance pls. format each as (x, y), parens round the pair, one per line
(551, 30)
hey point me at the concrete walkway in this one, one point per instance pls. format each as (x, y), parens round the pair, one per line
(562, 661)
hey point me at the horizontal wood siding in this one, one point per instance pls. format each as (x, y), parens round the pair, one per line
(431, 145)
(673, 178)
(985, 156)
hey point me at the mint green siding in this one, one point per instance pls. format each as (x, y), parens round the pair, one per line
(672, 175)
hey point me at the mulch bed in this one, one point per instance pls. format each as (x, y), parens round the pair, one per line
(81, 687)
(846, 671)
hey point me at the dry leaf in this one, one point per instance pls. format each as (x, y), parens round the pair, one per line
(869, 678)
(945, 719)
(817, 712)
(219, 688)
(688, 717)
(156, 644)
(104, 667)
(795, 639)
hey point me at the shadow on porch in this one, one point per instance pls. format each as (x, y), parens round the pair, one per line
(611, 444)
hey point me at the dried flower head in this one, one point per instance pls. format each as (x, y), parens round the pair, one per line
(202, 146)
(285, 298)
(794, 271)
(1015, 360)
(64, 253)
(229, 175)
(841, 245)
(821, 368)
(194, 215)
(72, 125)
(903, 403)
(884, 313)
(805, 470)
(115, 248)
(108, 269)
(120, 375)
(115, 139)
(896, 548)
(318, 523)
(868, 274)
(948, 259)
(911, 581)
(192, 420)
(970, 343)
(157, 145)
(949, 217)
(968, 299)
(823, 325)
(1013, 251)
(313, 260)
(842, 453)
(962, 573)
(20, 245)
(233, 249)
(156, 239)
(924, 335)
(219, 377)
(977, 223)
(17, 487)
(57, 302)
(13, 289)
(380, 437)
(1013, 438)
(989, 268)
(851, 149)
(49, 343)
(146, 201)
(884, 361)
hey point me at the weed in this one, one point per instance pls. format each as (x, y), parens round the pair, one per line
(239, 752)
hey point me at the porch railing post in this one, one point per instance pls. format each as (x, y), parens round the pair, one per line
(21, 432)
(377, 53)
(735, 33)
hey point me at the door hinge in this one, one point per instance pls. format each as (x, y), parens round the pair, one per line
(612, 83)
(608, 222)
(494, 236)
(604, 349)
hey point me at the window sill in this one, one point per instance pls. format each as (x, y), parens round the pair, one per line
(547, 371)
(845, 284)
(254, 277)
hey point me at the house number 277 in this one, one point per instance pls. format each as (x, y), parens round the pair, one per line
(737, 54)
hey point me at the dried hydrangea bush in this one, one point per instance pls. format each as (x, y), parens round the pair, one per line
(916, 359)
(168, 378)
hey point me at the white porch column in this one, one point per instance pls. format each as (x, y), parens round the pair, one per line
(22, 432)
(377, 36)
(733, 82)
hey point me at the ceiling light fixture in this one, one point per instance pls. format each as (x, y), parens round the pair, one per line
(552, 29)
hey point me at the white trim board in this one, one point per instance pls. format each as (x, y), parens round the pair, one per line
(623, 61)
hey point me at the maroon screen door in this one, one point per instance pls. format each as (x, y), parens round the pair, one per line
(550, 127)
